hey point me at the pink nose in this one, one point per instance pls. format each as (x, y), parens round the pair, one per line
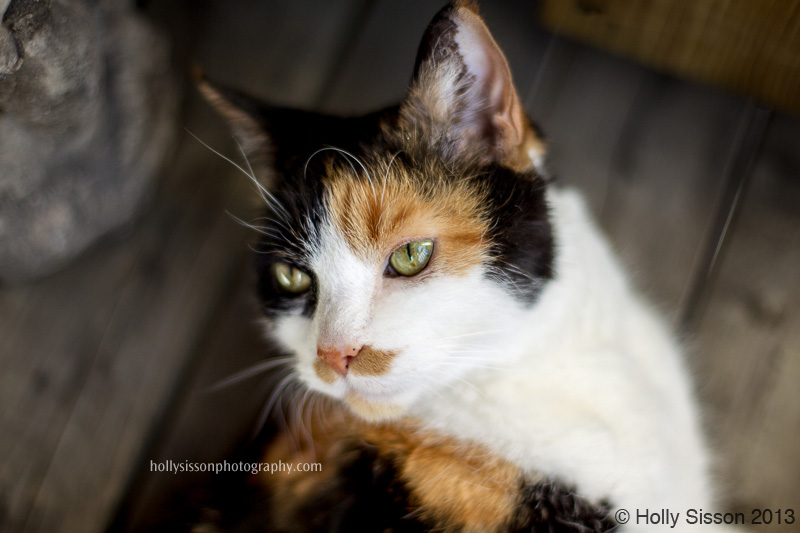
(338, 357)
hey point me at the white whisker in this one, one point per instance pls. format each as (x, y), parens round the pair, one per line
(248, 372)
(273, 398)
(265, 195)
(263, 230)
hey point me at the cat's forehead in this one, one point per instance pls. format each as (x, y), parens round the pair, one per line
(381, 203)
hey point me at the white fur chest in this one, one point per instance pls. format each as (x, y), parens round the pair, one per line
(596, 395)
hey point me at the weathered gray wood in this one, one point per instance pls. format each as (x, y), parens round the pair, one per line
(748, 335)
(379, 65)
(667, 176)
(738, 169)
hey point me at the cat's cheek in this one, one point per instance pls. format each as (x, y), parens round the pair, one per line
(293, 333)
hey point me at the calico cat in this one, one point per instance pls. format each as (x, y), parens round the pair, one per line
(492, 368)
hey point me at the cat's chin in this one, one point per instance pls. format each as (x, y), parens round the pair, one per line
(372, 410)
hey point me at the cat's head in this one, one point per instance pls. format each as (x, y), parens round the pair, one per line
(399, 249)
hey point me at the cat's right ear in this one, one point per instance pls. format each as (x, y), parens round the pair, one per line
(462, 98)
(242, 113)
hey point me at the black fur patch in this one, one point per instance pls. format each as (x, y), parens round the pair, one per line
(438, 42)
(551, 507)
(521, 231)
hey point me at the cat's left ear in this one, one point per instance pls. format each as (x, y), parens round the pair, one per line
(242, 113)
(462, 96)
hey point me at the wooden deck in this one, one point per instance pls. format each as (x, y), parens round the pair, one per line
(106, 365)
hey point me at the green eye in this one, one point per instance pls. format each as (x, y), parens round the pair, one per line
(290, 278)
(411, 258)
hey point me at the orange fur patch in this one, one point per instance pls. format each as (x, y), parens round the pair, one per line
(399, 205)
(459, 486)
(521, 158)
(324, 371)
(371, 362)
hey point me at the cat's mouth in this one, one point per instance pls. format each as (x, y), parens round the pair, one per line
(365, 383)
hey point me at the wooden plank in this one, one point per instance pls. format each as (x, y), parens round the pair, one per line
(667, 176)
(747, 337)
(738, 169)
(750, 47)
(377, 72)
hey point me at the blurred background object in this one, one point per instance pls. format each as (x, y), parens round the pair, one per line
(750, 47)
(107, 364)
(88, 115)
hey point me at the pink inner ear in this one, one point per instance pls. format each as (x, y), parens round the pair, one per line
(497, 105)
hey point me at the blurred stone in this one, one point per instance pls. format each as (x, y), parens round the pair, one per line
(88, 115)
(9, 53)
